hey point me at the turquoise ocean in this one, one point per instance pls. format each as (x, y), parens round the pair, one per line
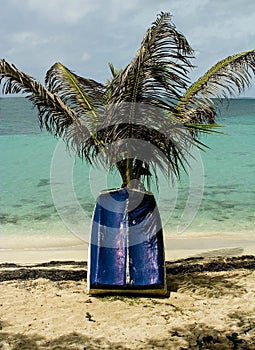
(47, 196)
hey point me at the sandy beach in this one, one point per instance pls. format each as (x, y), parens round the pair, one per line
(210, 306)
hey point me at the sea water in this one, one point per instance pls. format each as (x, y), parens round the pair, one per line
(47, 195)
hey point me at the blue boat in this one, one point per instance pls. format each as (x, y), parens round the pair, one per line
(126, 252)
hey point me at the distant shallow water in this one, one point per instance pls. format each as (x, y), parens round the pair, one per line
(28, 213)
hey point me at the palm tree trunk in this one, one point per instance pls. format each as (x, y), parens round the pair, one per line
(125, 169)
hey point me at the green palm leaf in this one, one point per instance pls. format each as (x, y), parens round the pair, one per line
(86, 98)
(54, 115)
(224, 79)
(57, 117)
(82, 95)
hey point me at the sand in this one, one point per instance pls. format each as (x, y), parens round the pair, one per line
(45, 306)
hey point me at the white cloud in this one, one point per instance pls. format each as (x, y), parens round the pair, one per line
(86, 34)
(28, 38)
(116, 8)
(59, 10)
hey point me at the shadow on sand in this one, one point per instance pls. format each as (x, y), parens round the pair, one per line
(198, 336)
(183, 275)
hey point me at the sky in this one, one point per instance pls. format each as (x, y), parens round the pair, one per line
(85, 35)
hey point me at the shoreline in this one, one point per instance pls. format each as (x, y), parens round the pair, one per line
(175, 248)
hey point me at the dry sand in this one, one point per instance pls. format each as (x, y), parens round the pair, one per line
(45, 306)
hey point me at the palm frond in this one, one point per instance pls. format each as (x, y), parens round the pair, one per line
(159, 69)
(84, 96)
(138, 94)
(229, 76)
(113, 70)
(149, 149)
(54, 115)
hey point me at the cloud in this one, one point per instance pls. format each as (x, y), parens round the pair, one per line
(28, 38)
(59, 11)
(87, 34)
(215, 29)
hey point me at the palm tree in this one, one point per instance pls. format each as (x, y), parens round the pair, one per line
(151, 101)
(148, 116)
